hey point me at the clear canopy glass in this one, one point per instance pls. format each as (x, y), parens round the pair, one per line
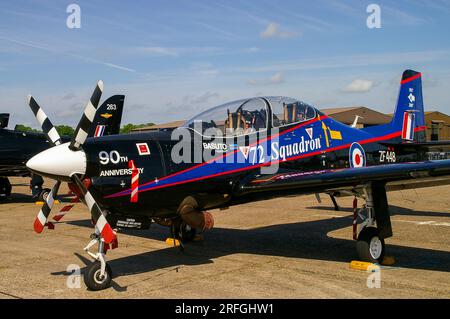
(247, 116)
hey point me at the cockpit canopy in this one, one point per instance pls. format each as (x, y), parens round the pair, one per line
(251, 115)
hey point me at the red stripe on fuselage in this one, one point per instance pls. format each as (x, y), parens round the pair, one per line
(332, 149)
(319, 118)
(233, 152)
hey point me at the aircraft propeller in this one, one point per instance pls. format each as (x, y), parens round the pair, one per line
(45, 123)
(67, 162)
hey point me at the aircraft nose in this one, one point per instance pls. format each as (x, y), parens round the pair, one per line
(58, 162)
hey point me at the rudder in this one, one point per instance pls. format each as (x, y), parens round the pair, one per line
(409, 116)
(108, 117)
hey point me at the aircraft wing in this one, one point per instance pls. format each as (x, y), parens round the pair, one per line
(327, 180)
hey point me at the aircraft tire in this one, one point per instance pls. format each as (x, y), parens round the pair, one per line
(370, 246)
(92, 277)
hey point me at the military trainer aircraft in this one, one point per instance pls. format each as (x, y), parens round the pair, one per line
(248, 150)
(17, 147)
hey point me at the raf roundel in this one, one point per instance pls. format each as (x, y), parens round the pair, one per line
(357, 156)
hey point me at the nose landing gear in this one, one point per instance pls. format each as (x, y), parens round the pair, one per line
(98, 274)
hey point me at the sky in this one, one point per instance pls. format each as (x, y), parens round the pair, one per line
(173, 58)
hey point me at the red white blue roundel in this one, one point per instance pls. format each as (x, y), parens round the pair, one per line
(357, 156)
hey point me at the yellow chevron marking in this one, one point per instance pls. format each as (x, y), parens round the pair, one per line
(324, 127)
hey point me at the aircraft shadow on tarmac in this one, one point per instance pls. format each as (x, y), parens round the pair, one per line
(20, 198)
(17, 198)
(307, 240)
(394, 210)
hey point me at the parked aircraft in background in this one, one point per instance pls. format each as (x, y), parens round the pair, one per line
(17, 147)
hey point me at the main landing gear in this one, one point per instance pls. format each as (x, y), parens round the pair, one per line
(183, 232)
(37, 192)
(98, 274)
(371, 223)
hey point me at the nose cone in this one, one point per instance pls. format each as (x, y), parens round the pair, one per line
(58, 162)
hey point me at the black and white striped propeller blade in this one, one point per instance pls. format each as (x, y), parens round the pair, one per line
(82, 130)
(102, 226)
(45, 123)
(41, 219)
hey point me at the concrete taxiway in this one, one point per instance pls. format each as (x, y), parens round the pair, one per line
(282, 248)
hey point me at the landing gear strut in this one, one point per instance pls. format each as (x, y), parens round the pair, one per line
(373, 222)
(184, 232)
(98, 275)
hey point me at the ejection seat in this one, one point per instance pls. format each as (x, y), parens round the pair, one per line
(244, 122)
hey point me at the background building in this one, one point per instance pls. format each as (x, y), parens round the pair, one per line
(438, 126)
(367, 117)
(170, 126)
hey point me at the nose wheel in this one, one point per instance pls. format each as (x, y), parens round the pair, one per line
(94, 279)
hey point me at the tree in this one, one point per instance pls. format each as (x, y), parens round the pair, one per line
(24, 128)
(127, 128)
(65, 130)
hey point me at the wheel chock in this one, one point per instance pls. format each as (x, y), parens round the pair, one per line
(362, 265)
(172, 242)
(40, 203)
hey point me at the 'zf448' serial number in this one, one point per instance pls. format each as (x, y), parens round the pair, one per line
(387, 157)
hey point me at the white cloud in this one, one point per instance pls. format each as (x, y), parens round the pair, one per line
(204, 98)
(191, 103)
(178, 51)
(273, 31)
(160, 51)
(69, 96)
(277, 78)
(252, 50)
(358, 86)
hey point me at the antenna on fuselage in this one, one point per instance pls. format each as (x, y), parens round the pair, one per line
(355, 122)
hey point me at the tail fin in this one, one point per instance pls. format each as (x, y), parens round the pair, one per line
(108, 117)
(409, 116)
(4, 120)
